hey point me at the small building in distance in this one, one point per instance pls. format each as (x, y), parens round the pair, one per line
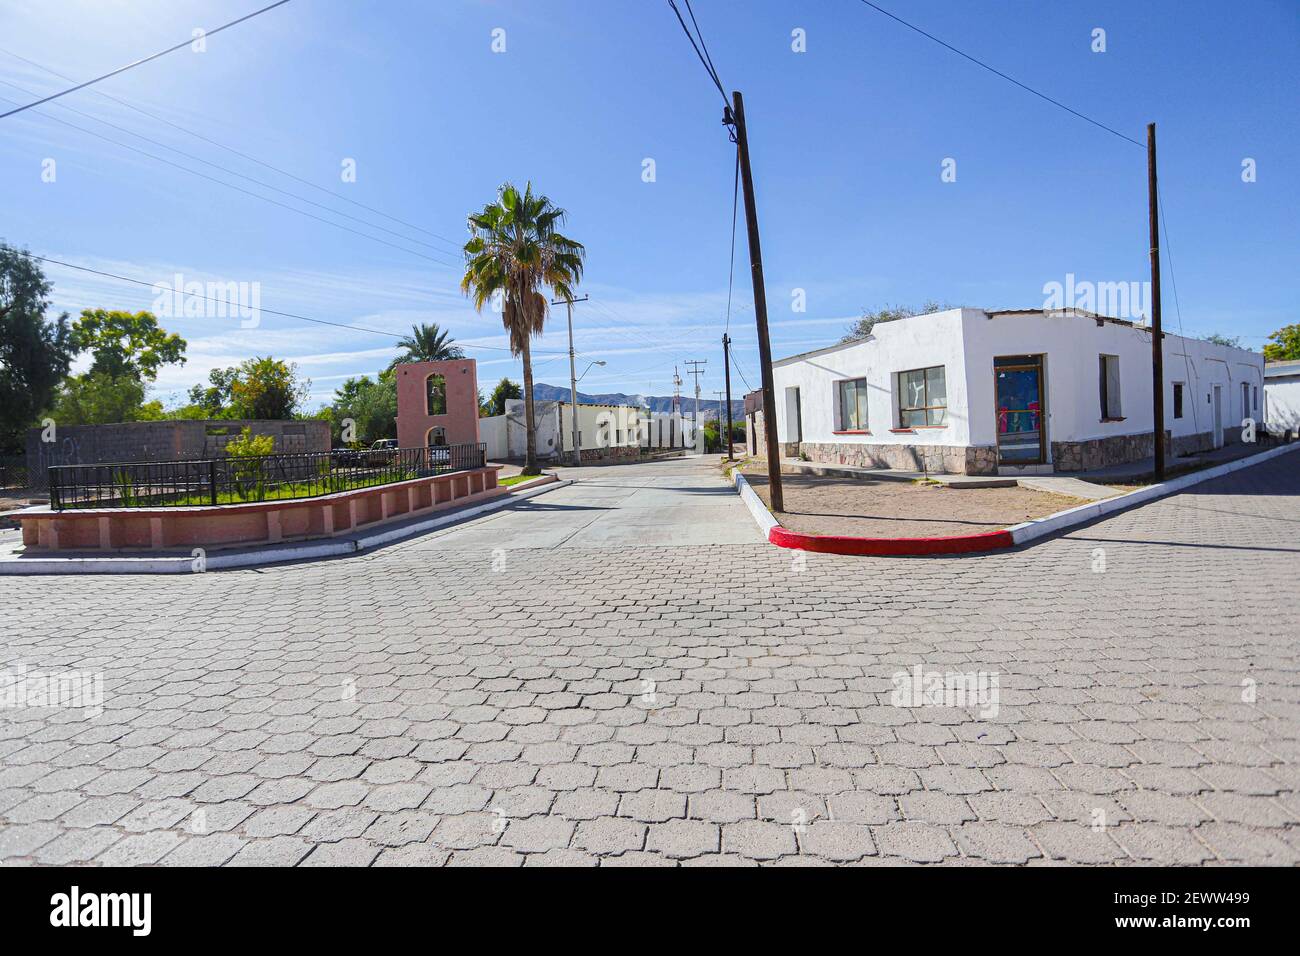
(1282, 396)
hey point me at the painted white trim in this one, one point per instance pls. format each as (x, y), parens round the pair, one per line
(304, 551)
(1037, 528)
(762, 517)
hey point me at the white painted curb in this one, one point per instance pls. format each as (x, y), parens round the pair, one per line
(306, 551)
(1039, 527)
(755, 504)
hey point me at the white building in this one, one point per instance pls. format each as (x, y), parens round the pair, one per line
(973, 392)
(605, 432)
(1282, 395)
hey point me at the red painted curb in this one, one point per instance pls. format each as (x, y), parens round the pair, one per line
(841, 544)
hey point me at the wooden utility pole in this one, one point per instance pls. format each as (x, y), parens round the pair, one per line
(736, 118)
(726, 362)
(1157, 337)
(573, 381)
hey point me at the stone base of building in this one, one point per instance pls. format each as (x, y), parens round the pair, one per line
(931, 459)
(617, 453)
(1103, 452)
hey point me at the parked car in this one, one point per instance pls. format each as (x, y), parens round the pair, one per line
(346, 457)
(382, 452)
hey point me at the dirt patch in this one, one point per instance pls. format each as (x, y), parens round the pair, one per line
(872, 508)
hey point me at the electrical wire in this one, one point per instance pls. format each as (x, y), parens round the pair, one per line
(224, 169)
(246, 192)
(143, 60)
(289, 315)
(252, 159)
(708, 66)
(1009, 79)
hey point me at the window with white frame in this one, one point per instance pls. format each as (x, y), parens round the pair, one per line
(852, 405)
(1108, 386)
(922, 397)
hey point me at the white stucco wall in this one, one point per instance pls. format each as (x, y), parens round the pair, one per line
(892, 347)
(1282, 399)
(966, 341)
(1071, 346)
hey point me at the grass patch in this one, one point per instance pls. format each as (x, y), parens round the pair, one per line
(515, 479)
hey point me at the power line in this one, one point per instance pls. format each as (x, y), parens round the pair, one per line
(142, 61)
(731, 269)
(1009, 79)
(708, 66)
(224, 169)
(288, 315)
(242, 155)
(246, 192)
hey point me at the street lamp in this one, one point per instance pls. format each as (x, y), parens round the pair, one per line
(588, 369)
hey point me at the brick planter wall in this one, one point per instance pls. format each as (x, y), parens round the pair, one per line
(253, 523)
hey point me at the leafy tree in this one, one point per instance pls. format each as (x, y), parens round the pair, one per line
(1284, 344)
(862, 328)
(35, 354)
(516, 250)
(427, 343)
(125, 343)
(371, 404)
(267, 388)
(504, 391)
(1229, 340)
(214, 400)
(98, 398)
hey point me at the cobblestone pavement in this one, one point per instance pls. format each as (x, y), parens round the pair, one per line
(684, 704)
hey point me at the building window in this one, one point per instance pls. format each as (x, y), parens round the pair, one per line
(1178, 399)
(435, 395)
(1245, 400)
(1255, 405)
(922, 397)
(853, 405)
(1108, 382)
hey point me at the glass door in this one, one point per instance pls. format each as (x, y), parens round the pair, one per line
(1019, 399)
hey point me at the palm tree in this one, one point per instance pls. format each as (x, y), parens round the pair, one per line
(426, 343)
(514, 250)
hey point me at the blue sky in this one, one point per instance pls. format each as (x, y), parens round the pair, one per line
(848, 140)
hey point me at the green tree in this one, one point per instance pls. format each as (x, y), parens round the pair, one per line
(1230, 340)
(126, 343)
(515, 251)
(504, 391)
(427, 343)
(372, 405)
(98, 398)
(35, 354)
(214, 398)
(863, 326)
(1284, 344)
(267, 388)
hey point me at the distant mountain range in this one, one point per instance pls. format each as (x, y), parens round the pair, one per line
(656, 403)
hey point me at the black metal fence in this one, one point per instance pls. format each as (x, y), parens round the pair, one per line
(237, 480)
(13, 472)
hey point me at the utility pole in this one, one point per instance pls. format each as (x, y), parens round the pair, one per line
(695, 370)
(1157, 337)
(726, 363)
(677, 405)
(736, 117)
(573, 379)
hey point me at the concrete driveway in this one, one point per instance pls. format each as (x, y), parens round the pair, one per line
(673, 503)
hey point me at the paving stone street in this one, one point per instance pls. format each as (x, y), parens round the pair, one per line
(589, 678)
